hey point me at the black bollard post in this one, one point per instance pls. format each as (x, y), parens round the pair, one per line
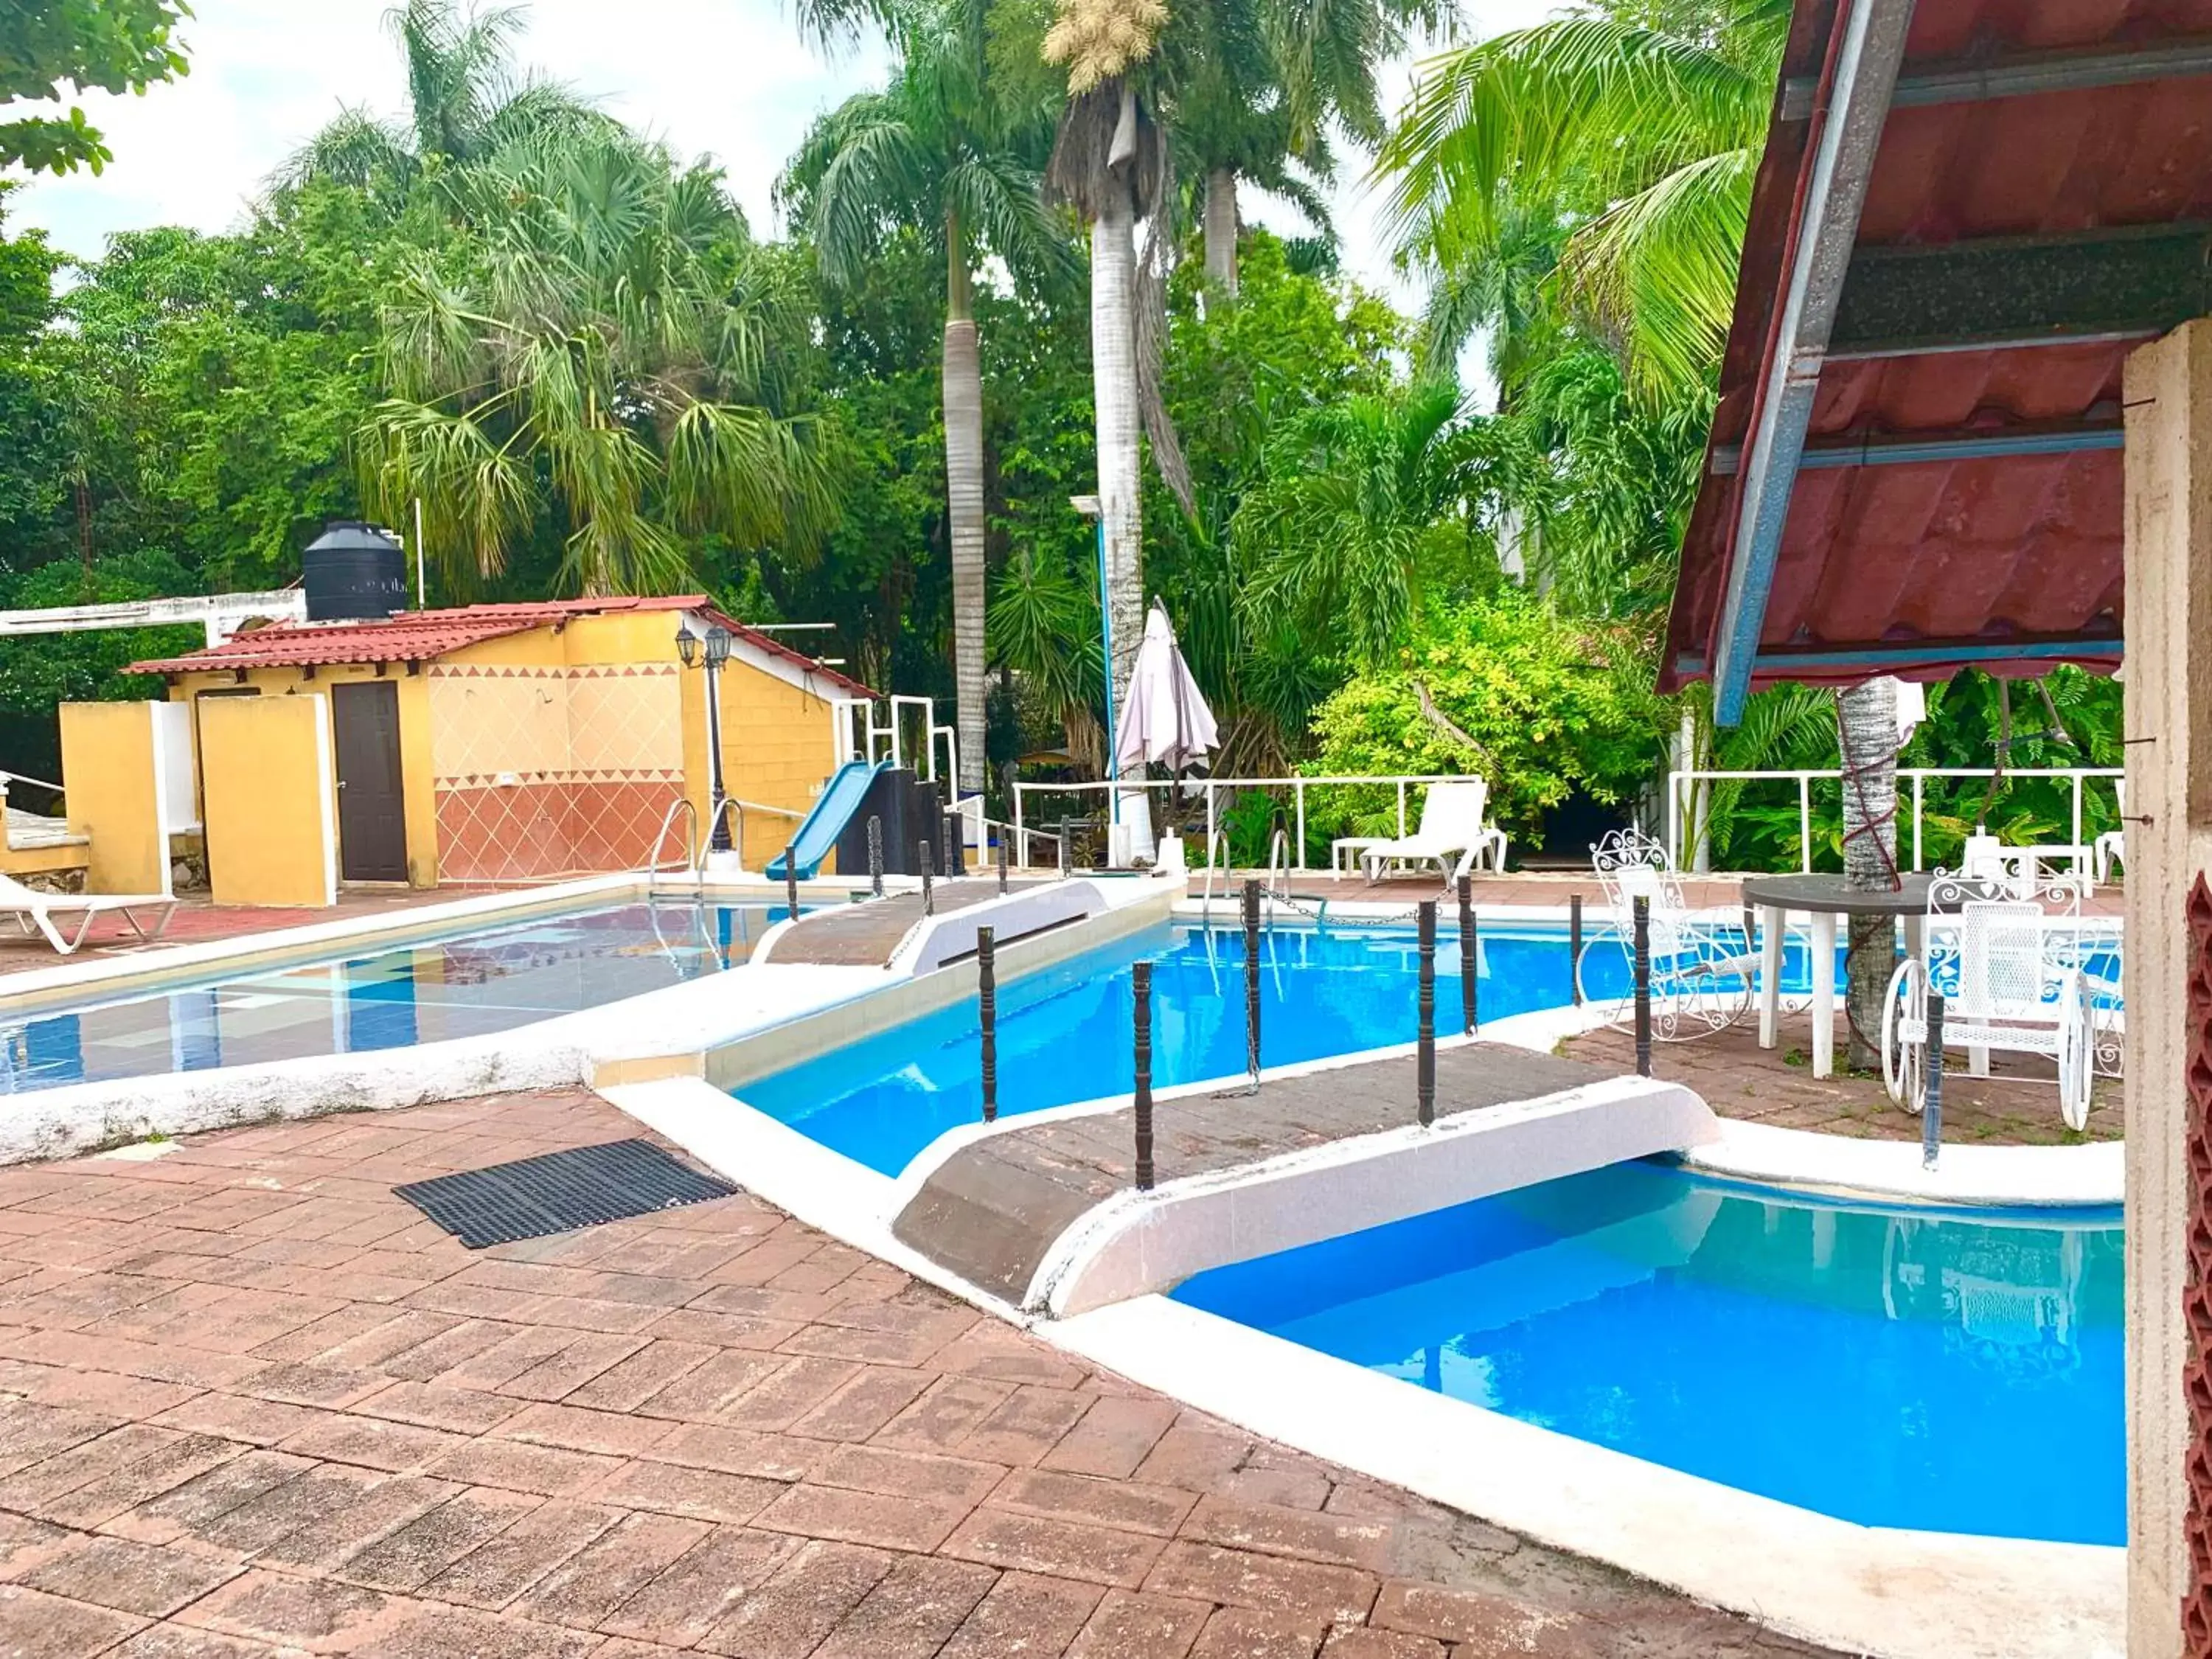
(987, 1006)
(1575, 946)
(1470, 954)
(875, 855)
(928, 896)
(1252, 982)
(1643, 986)
(1931, 1114)
(1424, 1069)
(1062, 839)
(790, 881)
(950, 840)
(1002, 858)
(1140, 981)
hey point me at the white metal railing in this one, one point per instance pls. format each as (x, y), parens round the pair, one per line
(1683, 786)
(1213, 788)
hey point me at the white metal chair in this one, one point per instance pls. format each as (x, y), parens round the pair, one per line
(2007, 955)
(35, 911)
(2112, 847)
(1453, 833)
(1705, 969)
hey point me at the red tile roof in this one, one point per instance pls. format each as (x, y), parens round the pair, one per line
(1968, 555)
(425, 635)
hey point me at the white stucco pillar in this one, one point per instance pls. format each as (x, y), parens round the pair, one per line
(2169, 844)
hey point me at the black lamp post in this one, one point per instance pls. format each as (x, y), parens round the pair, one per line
(717, 652)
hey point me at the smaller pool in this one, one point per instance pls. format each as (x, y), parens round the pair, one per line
(491, 979)
(1943, 1370)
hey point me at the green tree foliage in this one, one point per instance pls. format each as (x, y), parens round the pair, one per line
(45, 45)
(1540, 703)
(38, 672)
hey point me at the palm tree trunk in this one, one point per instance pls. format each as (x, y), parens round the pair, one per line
(1221, 230)
(1114, 393)
(1866, 730)
(963, 485)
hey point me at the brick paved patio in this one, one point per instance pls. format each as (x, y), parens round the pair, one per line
(1740, 1079)
(250, 1403)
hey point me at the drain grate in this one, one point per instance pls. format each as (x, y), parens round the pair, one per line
(558, 1192)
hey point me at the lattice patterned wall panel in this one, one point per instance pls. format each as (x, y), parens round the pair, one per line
(2197, 1294)
(550, 771)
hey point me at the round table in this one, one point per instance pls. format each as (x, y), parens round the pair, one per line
(1823, 898)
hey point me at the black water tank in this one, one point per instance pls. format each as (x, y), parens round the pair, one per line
(354, 571)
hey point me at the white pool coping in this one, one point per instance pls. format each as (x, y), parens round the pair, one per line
(1873, 1590)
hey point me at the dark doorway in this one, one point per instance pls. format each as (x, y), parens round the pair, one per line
(372, 818)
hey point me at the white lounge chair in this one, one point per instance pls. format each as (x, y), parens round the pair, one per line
(33, 909)
(1453, 833)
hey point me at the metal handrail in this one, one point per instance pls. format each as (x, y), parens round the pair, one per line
(1678, 796)
(1401, 781)
(691, 860)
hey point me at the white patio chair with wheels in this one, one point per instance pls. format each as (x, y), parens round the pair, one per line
(1705, 969)
(1453, 833)
(2009, 957)
(35, 911)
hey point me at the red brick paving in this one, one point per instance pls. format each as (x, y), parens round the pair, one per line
(2016, 1106)
(250, 1403)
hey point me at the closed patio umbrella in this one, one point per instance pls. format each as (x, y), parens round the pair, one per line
(1165, 722)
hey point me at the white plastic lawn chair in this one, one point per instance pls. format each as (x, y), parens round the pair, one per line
(2009, 957)
(1705, 969)
(1452, 834)
(33, 909)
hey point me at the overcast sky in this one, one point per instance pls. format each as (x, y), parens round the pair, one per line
(729, 77)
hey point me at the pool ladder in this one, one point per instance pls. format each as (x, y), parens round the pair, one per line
(696, 849)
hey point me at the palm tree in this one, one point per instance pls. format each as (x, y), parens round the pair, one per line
(1107, 163)
(601, 362)
(931, 153)
(1642, 141)
(465, 102)
(1359, 501)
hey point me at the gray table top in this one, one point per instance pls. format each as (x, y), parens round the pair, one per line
(1828, 894)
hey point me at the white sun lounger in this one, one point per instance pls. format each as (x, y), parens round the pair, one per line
(33, 909)
(1452, 834)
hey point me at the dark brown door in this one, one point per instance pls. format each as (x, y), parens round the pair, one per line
(372, 818)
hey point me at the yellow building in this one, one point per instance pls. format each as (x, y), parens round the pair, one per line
(492, 743)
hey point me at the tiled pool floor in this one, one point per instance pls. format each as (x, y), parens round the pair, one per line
(250, 1401)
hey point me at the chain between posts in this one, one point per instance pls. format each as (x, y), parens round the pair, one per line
(1470, 948)
(987, 1005)
(1140, 982)
(1643, 985)
(1424, 1069)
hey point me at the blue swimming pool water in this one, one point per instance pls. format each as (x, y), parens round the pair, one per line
(1064, 1032)
(1933, 1370)
(492, 979)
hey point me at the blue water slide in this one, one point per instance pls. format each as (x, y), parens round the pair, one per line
(817, 837)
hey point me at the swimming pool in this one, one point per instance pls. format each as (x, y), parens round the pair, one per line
(1064, 1032)
(1943, 1370)
(490, 979)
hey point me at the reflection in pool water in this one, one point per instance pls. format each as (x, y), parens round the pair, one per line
(1955, 1372)
(489, 980)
